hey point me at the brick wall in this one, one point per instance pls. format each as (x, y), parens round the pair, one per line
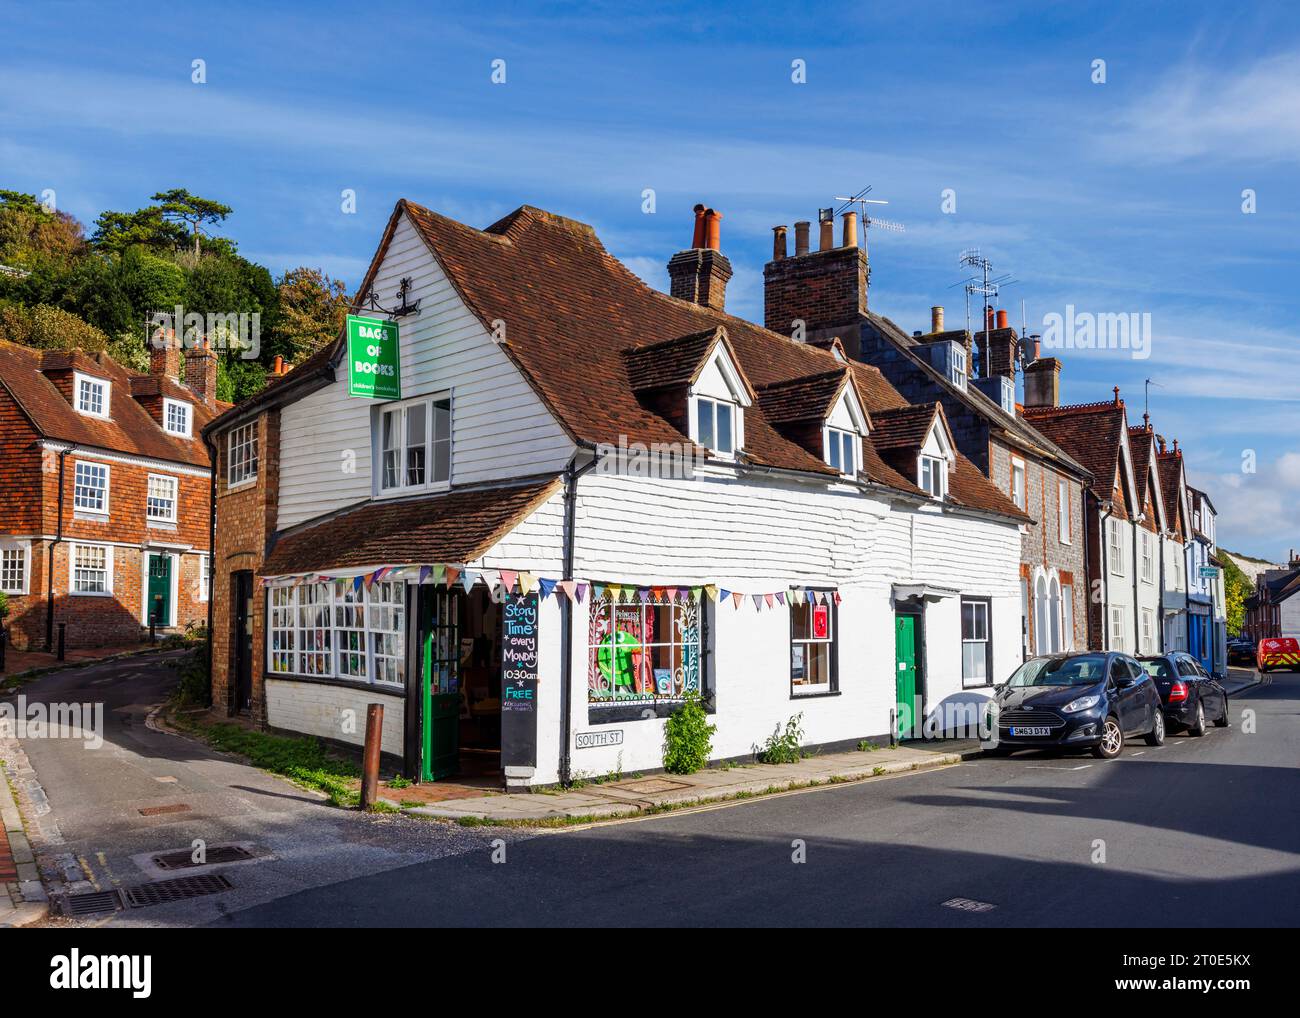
(246, 517)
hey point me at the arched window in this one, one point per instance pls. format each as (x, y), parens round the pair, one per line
(1054, 611)
(1042, 643)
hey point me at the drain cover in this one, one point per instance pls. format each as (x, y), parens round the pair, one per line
(163, 892)
(968, 905)
(155, 811)
(184, 859)
(91, 903)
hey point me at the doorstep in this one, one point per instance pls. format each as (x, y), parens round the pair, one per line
(632, 796)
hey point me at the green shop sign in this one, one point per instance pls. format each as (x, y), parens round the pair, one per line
(374, 365)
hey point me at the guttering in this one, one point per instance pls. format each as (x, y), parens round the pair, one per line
(212, 546)
(1137, 586)
(1103, 514)
(49, 563)
(571, 475)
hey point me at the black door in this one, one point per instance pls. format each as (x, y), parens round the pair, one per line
(241, 589)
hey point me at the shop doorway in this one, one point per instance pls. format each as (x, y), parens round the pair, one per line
(907, 685)
(460, 672)
(241, 637)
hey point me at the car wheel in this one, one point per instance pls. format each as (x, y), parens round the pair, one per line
(1156, 737)
(1197, 727)
(1222, 720)
(1112, 740)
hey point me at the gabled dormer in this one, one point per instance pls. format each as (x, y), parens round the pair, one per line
(823, 414)
(696, 383)
(81, 381)
(167, 402)
(917, 442)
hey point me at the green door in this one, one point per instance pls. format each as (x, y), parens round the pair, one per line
(905, 680)
(158, 607)
(440, 674)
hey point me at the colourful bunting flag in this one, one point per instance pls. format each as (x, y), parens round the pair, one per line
(424, 573)
(547, 586)
(579, 591)
(712, 590)
(453, 574)
(780, 596)
(770, 599)
(508, 577)
(736, 598)
(467, 579)
(758, 601)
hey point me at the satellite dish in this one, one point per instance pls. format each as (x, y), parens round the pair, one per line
(1027, 354)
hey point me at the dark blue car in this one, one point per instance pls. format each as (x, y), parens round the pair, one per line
(1191, 696)
(1076, 701)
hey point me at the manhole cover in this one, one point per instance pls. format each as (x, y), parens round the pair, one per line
(968, 905)
(163, 892)
(652, 785)
(184, 859)
(157, 811)
(91, 903)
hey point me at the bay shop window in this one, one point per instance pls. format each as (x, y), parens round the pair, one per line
(333, 630)
(644, 651)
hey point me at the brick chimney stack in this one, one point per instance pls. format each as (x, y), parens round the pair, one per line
(1043, 383)
(201, 374)
(165, 355)
(825, 289)
(700, 274)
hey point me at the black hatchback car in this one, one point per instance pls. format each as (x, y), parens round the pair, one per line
(1076, 701)
(1190, 695)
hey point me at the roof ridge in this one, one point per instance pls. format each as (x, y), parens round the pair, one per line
(1049, 411)
(836, 372)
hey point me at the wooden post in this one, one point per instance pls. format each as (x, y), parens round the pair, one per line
(370, 759)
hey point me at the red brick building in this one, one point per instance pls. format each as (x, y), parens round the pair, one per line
(105, 493)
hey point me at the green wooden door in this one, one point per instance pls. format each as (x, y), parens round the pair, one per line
(440, 675)
(158, 606)
(905, 680)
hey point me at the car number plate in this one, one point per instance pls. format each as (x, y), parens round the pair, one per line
(1031, 731)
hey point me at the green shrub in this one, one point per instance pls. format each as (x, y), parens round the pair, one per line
(194, 688)
(784, 746)
(688, 737)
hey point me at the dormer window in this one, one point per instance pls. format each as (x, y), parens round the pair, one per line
(92, 395)
(715, 425)
(958, 373)
(176, 417)
(933, 475)
(842, 451)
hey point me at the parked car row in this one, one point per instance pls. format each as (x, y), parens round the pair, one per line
(1100, 700)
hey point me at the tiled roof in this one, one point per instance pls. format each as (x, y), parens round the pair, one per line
(802, 399)
(586, 332)
(456, 526)
(1093, 433)
(129, 429)
(1141, 443)
(1169, 468)
(904, 427)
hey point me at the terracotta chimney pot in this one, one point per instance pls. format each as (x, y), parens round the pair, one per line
(1003, 321)
(712, 230)
(778, 243)
(697, 240)
(850, 229)
(801, 237)
(827, 235)
(936, 318)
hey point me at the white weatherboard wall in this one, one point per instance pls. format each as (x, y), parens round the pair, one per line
(1148, 592)
(1175, 594)
(500, 428)
(755, 536)
(1290, 616)
(333, 712)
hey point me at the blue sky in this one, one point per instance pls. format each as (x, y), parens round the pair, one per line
(1116, 198)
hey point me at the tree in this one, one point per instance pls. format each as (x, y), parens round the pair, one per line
(312, 310)
(117, 231)
(179, 206)
(49, 328)
(1236, 588)
(30, 233)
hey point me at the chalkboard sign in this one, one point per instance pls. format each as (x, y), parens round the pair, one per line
(519, 681)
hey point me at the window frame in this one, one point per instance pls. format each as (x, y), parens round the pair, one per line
(402, 409)
(1146, 638)
(1148, 558)
(249, 461)
(175, 499)
(841, 440)
(1117, 616)
(168, 406)
(23, 551)
(938, 472)
(1115, 543)
(697, 403)
(969, 682)
(1064, 512)
(606, 608)
(105, 488)
(204, 567)
(831, 687)
(74, 548)
(286, 616)
(105, 387)
(959, 373)
(1020, 501)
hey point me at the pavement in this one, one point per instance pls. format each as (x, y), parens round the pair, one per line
(19, 662)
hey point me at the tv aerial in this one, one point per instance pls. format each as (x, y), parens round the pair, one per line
(862, 201)
(984, 282)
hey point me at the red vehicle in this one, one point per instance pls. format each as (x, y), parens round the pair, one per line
(1280, 652)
